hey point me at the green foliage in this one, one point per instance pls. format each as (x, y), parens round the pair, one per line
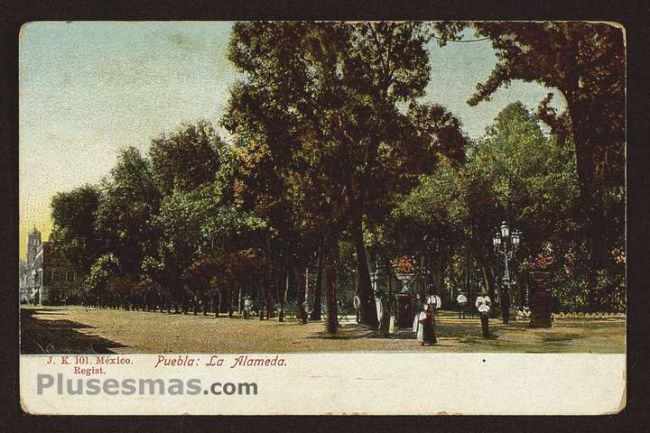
(73, 215)
(191, 223)
(585, 62)
(320, 114)
(519, 174)
(529, 176)
(319, 95)
(100, 273)
(333, 154)
(186, 158)
(124, 215)
(513, 173)
(438, 200)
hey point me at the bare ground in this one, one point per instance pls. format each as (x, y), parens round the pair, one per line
(90, 330)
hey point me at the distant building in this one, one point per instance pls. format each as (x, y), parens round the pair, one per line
(46, 277)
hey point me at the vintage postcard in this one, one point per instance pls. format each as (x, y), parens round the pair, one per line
(322, 217)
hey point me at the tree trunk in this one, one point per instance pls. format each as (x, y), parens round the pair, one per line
(230, 299)
(389, 276)
(332, 313)
(268, 277)
(280, 275)
(367, 308)
(505, 303)
(315, 312)
(591, 188)
(262, 302)
(283, 296)
(307, 294)
(300, 293)
(467, 283)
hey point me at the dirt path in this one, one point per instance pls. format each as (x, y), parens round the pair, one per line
(88, 330)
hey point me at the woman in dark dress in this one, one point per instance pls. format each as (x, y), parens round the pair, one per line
(427, 336)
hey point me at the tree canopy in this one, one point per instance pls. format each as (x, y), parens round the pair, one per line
(335, 169)
(585, 62)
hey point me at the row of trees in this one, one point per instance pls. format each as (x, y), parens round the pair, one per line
(336, 164)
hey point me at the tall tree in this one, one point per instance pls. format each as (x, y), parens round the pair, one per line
(586, 63)
(515, 173)
(328, 95)
(263, 116)
(125, 214)
(73, 216)
(186, 158)
(185, 165)
(531, 181)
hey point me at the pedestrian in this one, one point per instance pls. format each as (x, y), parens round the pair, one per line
(426, 334)
(280, 308)
(462, 305)
(248, 307)
(356, 303)
(483, 304)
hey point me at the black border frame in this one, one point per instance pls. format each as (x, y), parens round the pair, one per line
(633, 15)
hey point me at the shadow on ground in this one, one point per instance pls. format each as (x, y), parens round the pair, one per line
(347, 332)
(42, 333)
(350, 331)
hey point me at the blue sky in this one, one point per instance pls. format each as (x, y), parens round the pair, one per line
(88, 89)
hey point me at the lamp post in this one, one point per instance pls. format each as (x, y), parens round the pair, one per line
(506, 243)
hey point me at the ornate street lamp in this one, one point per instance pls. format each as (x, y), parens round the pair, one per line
(506, 243)
(516, 238)
(505, 230)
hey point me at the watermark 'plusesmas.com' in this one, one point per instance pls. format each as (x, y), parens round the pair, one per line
(65, 386)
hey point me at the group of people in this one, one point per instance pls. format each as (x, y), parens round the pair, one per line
(463, 304)
(424, 323)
